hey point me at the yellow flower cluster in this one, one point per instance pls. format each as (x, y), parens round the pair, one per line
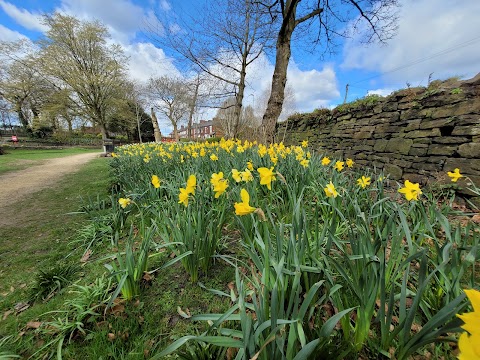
(185, 151)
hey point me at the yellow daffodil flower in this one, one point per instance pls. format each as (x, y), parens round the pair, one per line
(304, 143)
(469, 346)
(350, 163)
(472, 319)
(155, 181)
(202, 152)
(339, 165)
(266, 177)
(364, 181)
(191, 184)
(244, 208)
(250, 165)
(330, 190)
(304, 163)
(213, 157)
(216, 177)
(220, 187)
(469, 343)
(455, 175)
(124, 202)
(411, 190)
(326, 161)
(246, 175)
(146, 159)
(183, 197)
(236, 175)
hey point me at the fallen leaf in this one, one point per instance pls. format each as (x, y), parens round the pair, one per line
(6, 313)
(172, 255)
(231, 285)
(117, 309)
(147, 277)
(33, 325)
(111, 336)
(476, 219)
(19, 307)
(86, 256)
(12, 289)
(23, 286)
(184, 314)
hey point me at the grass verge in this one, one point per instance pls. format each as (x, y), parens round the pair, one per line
(43, 238)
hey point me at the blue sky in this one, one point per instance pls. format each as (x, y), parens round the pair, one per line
(435, 36)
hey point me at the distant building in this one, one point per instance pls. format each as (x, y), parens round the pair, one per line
(203, 130)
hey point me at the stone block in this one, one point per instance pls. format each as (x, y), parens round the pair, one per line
(380, 145)
(469, 150)
(440, 149)
(398, 145)
(466, 166)
(426, 166)
(416, 178)
(363, 135)
(466, 130)
(423, 133)
(450, 140)
(394, 171)
(413, 125)
(430, 124)
(390, 106)
(402, 163)
(422, 141)
(417, 151)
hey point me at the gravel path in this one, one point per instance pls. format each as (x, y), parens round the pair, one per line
(16, 185)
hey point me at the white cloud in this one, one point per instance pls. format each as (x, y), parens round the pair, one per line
(146, 60)
(426, 28)
(381, 92)
(9, 35)
(27, 19)
(122, 17)
(313, 89)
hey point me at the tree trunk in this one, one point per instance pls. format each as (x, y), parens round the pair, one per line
(103, 131)
(137, 114)
(21, 116)
(156, 129)
(192, 108)
(239, 101)
(279, 80)
(175, 132)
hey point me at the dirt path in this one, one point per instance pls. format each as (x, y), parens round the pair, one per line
(16, 185)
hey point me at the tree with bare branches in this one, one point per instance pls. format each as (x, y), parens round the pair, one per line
(328, 19)
(222, 40)
(170, 97)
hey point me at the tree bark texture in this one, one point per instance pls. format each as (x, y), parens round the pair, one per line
(279, 80)
(156, 129)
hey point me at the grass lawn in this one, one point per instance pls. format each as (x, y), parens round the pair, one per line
(18, 159)
(44, 238)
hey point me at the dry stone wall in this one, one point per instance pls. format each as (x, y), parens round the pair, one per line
(415, 134)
